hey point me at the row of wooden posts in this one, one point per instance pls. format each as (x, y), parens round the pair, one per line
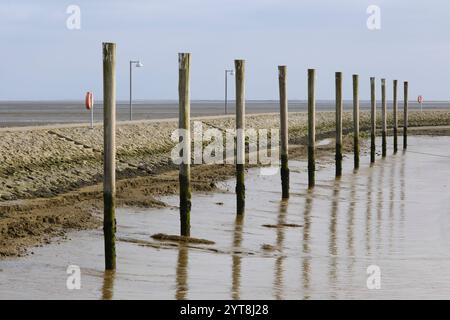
(109, 98)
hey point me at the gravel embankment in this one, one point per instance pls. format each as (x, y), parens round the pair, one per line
(44, 162)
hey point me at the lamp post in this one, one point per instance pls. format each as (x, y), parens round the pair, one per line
(231, 72)
(138, 65)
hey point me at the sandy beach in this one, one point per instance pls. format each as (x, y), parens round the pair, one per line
(50, 177)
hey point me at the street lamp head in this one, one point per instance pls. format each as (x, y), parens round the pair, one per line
(231, 72)
(139, 64)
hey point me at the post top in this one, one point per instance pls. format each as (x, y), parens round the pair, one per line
(184, 60)
(109, 49)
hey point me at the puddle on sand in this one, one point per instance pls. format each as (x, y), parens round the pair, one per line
(395, 215)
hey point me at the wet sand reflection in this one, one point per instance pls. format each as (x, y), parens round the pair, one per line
(369, 210)
(236, 258)
(392, 193)
(278, 282)
(332, 243)
(306, 263)
(108, 284)
(182, 272)
(351, 221)
(380, 202)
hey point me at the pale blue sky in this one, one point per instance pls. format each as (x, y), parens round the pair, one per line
(42, 59)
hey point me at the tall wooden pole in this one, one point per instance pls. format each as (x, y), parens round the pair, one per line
(284, 134)
(373, 119)
(395, 116)
(383, 118)
(239, 66)
(109, 154)
(405, 114)
(339, 124)
(356, 120)
(311, 128)
(184, 62)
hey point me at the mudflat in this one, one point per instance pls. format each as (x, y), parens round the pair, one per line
(50, 177)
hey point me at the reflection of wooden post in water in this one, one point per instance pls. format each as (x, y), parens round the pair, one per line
(306, 267)
(278, 282)
(108, 284)
(402, 180)
(109, 154)
(393, 190)
(239, 66)
(380, 202)
(182, 272)
(351, 221)
(395, 111)
(356, 120)
(284, 134)
(405, 115)
(338, 124)
(236, 264)
(369, 211)
(184, 60)
(373, 120)
(311, 128)
(332, 244)
(383, 118)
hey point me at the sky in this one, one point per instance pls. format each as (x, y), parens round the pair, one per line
(42, 59)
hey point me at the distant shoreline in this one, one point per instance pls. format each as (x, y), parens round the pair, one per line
(38, 113)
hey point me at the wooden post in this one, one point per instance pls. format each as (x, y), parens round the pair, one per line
(284, 134)
(184, 62)
(395, 116)
(356, 120)
(311, 128)
(239, 66)
(405, 114)
(109, 154)
(373, 120)
(338, 124)
(383, 118)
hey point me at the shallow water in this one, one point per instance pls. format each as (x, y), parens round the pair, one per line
(395, 215)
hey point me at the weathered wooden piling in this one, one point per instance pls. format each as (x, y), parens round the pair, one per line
(405, 114)
(383, 118)
(284, 132)
(240, 135)
(395, 116)
(109, 154)
(311, 128)
(339, 124)
(373, 119)
(356, 120)
(184, 62)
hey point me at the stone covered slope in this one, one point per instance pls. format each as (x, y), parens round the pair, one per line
(43, 162)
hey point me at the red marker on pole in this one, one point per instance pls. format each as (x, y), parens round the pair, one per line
(420, 100)
(89, 102)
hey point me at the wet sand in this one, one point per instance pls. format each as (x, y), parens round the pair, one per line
(50, 177)
(394, 215)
